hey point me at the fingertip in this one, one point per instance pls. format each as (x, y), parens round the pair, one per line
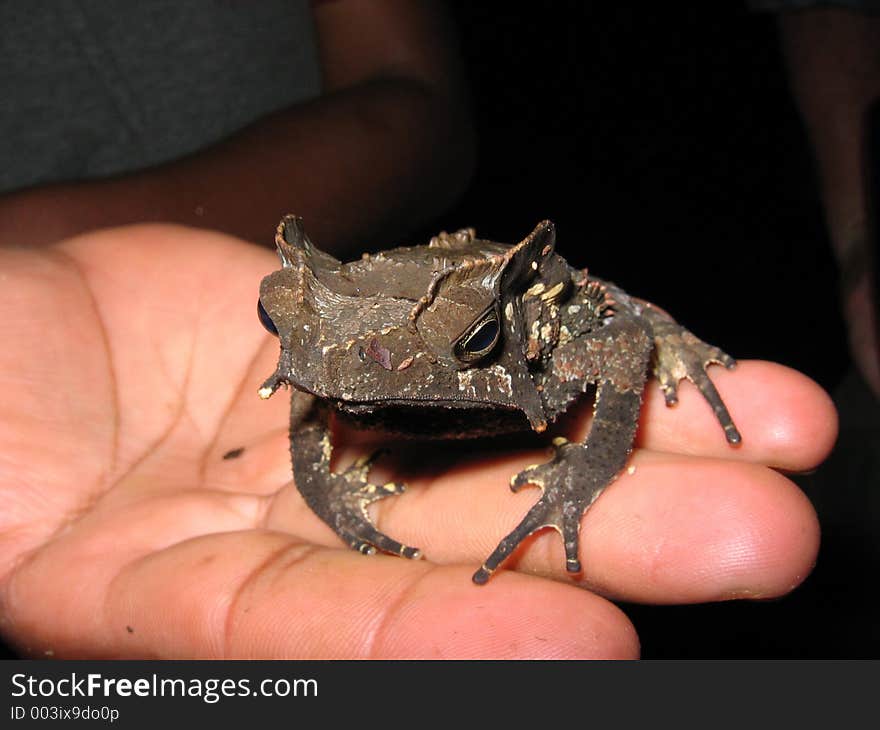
(785, 419)
(801, 429)
(512, 616)
(694, 535)
(778, 555)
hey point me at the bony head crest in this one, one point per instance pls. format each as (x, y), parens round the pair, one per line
(512, 268)
(291, 241)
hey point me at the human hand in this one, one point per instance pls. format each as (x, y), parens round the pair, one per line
(131, 365)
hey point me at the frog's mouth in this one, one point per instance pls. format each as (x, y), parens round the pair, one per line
(421, 403)
(435, 419)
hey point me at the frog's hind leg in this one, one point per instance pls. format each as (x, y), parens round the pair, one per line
(575, 476)
(341, 499)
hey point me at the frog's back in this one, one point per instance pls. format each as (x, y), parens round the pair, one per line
(406, 271)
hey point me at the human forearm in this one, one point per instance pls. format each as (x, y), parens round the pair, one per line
(338, 161)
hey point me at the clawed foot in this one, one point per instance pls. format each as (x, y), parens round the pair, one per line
(344, 508)
(570, 484)
(679, 355)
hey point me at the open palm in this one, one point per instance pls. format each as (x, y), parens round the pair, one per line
(130, 365)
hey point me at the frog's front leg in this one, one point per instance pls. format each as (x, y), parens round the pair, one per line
(341, 499)
(576, 475)
(679, 355)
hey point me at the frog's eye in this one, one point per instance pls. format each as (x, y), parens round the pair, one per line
(265, 319)
(480, 340)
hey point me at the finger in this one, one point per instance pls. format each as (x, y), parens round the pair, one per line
(677, 529)
(264, 594)
(786, 420)
(694, 530)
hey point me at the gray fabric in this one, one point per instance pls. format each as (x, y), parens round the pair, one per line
(90, 88)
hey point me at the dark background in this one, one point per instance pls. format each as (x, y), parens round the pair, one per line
(666, 147)
(664, 143)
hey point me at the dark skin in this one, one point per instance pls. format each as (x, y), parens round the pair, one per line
(834, 70)
(125, 533)
(391, 125)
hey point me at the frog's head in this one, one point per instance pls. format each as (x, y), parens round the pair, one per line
(440, 324)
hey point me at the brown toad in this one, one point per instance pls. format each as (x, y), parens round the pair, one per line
(459, 338)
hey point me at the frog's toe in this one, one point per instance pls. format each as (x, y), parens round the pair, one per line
(552, 510)
(681, 355)
(346, 510)
(374, 492)
(368, 540)
(347, 514)
(570, 482)
(528, 476)
(536, 519)
(540, 475)
(360, 467)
